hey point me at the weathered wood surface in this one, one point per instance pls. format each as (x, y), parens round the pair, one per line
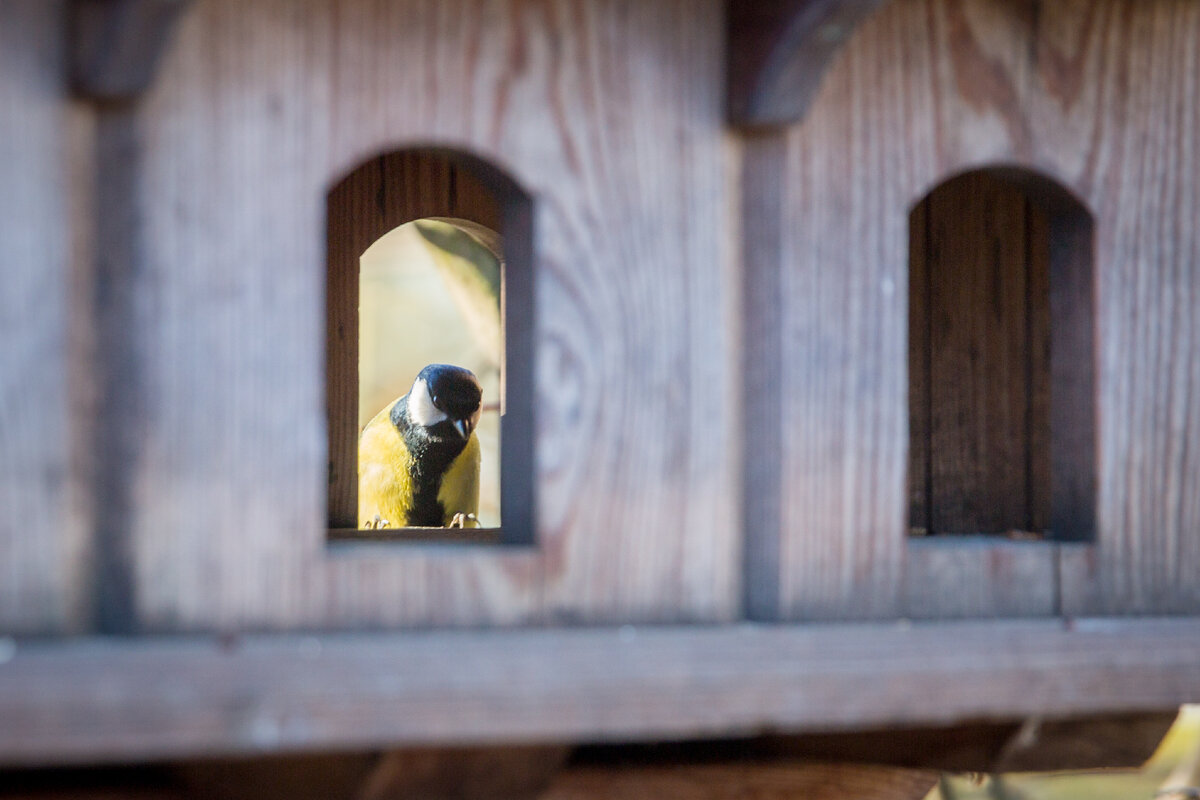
(511, 773)
(979, 357)
(464, 773)
(979, 576)
(257, 109)
(305, 776)
(1099, 741)
(846, 764)
(762, 405)
(1096, 96)
(98, 700)
(121, 406)
(43, 399)
(741, 780)
(778, 52)
(115, 45)
(1111, 741)
(1120, 741)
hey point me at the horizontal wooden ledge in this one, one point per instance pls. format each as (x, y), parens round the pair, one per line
(92, 700)
(452, 537)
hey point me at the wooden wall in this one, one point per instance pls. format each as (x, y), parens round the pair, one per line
(163, 385)
(1099, 96)
(610, 115)
(42, 406)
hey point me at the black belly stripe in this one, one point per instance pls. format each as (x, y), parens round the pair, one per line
(432, 455)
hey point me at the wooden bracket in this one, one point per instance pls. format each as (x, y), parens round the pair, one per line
(778, 51)
(116, 44)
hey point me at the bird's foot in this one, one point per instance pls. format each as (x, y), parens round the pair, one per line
(377, 523)
(461, 520)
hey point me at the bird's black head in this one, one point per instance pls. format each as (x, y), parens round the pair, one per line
(446, 400)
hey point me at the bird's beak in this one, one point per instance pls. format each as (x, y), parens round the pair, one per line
(463, 426)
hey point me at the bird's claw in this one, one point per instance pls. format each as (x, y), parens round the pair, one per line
(377, 523)
(461, 520)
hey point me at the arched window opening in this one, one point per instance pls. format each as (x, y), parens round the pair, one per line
(429, 293)
(1001, 359)
(429, 263)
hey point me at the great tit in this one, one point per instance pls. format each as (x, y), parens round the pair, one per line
(418, 458)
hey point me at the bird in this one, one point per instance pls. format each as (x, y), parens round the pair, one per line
(418, 458)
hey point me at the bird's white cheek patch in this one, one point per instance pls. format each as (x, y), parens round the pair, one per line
(421, 409)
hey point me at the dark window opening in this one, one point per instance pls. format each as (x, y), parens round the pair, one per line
(1001, 360)
(429, 261)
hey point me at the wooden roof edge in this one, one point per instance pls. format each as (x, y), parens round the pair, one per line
(777, 52)
(91, 700)
(115, 45)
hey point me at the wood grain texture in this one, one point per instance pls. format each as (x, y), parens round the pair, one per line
(43, 528)
(1124, 740)
(1090, 95)
(978, 371)
(306, 776)
(121, 408)
(610, 116)
(492, 773)
(735, 781)
(762, 489)
(1108, 741)
(1147, 248)
(918, 480)
(96, 700)
(778, 51)
(979, 576)
(115, 45)
(464, 773)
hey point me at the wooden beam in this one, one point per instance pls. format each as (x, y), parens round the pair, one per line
(116, 44)
(736, 780)
(97, 699)
(1114, 741)
(1122, 740)
(464, 773)
(778, 51)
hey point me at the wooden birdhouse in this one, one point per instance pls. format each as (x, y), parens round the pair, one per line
(840, 373)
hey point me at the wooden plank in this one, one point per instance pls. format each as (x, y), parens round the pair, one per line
(778, 51)
(843, 378)
(305, 776)
(919, 378)
(92, 783)
(762, 404)
(633, 339)
(44, 400)
(464, 773)
(1125, 740)
(1106, 741)
(1146, 251)
(1039, 424)
(979, 576)
(105, 699)
(989, 84)
(116, 45)
(1073, 414)
(120, 380)
(979, 375)
(734, 781)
